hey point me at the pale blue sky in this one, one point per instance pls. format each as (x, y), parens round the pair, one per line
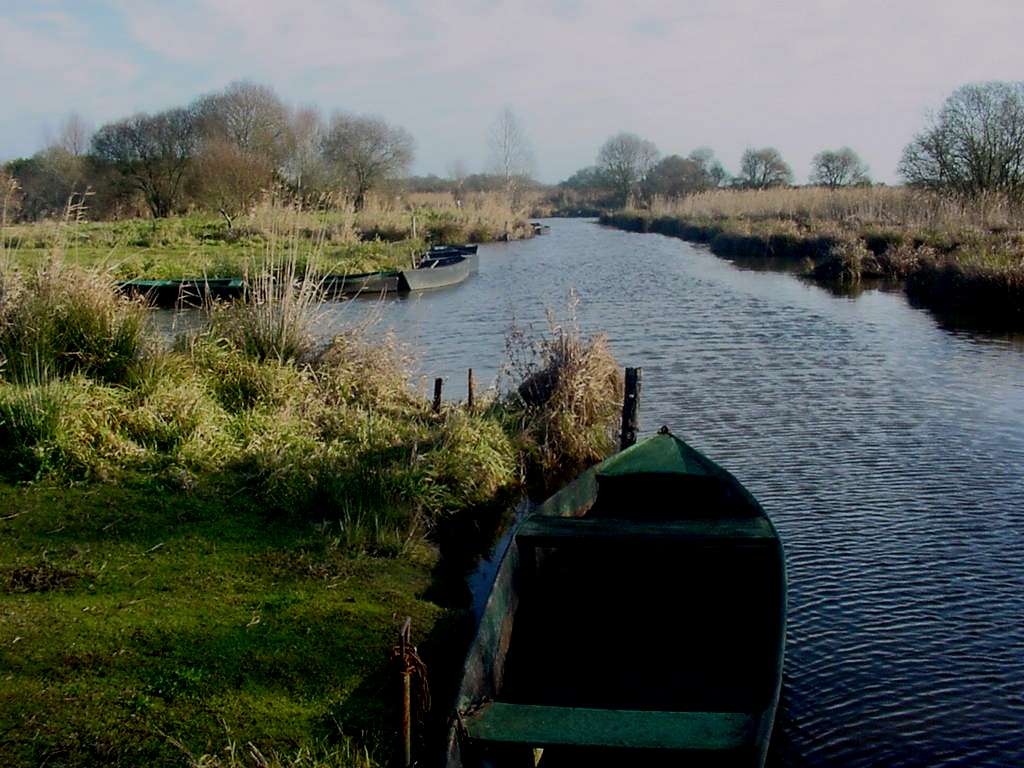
(799, 75)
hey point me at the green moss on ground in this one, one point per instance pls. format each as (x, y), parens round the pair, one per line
(138, 624)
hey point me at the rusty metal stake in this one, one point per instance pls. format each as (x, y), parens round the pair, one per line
(403, 649)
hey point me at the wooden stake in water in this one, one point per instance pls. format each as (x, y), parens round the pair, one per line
(438, 383)
(631, 408)
(470, 385)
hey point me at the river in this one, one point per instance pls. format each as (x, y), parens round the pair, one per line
(888, 450)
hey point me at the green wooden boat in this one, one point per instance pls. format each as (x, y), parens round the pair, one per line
(637, 618)
(192, 291)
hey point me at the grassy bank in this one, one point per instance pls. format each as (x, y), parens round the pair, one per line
(950, 257)
(381, 236)
(206, 551)
(142, 626)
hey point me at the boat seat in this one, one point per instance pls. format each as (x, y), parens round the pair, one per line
(553, 531)
(501, 723)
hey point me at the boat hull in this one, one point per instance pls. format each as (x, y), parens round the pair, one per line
(367, 284)
(582, 626)
(189, 292)
(438, 273)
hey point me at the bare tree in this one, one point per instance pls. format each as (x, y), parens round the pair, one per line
(762, 168)
(838, 168)
(73, 135)
(713, 169)
(457, 173)
(152, 153)
(511, 154)
(228, 179)
(366, 151)
(974, 145)
(249, 116)
(675, 176)
(625, 160)
(304, 167)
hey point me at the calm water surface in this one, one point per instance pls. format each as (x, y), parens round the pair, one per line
(889, 452)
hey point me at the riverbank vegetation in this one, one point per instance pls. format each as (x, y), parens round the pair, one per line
(953, 236)
(207, 547)
(384, 234)
(188, 191)
(954, 255)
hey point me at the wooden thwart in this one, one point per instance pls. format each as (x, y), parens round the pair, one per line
(539, 726)
(545, 531)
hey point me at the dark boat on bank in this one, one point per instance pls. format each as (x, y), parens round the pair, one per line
(637, 618)
(188, 291)
(451, 250)
(366, 283)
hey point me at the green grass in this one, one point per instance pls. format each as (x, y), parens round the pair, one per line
(190, 619)
(206, 551)
(201, 244)
(192, 246)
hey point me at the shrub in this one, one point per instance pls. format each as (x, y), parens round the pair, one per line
(847, 262)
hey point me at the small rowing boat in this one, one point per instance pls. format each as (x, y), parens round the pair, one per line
(439, 271)
(637, 618)
(188, 291)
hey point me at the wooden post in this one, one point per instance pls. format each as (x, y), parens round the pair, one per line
(630, 407)
(470, 385)
(438, 383)
(414, 226)
(403, 650)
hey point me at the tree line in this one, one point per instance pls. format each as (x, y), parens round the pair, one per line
(221, 151)
(226, 148)
(974, 145)
(630, 169)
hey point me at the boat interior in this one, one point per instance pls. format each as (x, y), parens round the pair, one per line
(653, 611)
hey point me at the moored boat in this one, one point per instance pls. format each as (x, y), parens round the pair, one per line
(636, 618)
(438, 271)
(189, 291)
(365, 283)
(450, 250)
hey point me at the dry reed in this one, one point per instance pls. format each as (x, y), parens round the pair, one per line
(570, 389)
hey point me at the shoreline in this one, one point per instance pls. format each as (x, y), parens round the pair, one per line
(933, 277)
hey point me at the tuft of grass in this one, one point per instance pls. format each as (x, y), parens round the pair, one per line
(59, 320)
(569, 390)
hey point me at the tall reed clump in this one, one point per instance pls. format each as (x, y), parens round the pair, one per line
(569, 394)
(59, 320)
(283, 297)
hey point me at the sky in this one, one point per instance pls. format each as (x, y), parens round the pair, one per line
(799, 75)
